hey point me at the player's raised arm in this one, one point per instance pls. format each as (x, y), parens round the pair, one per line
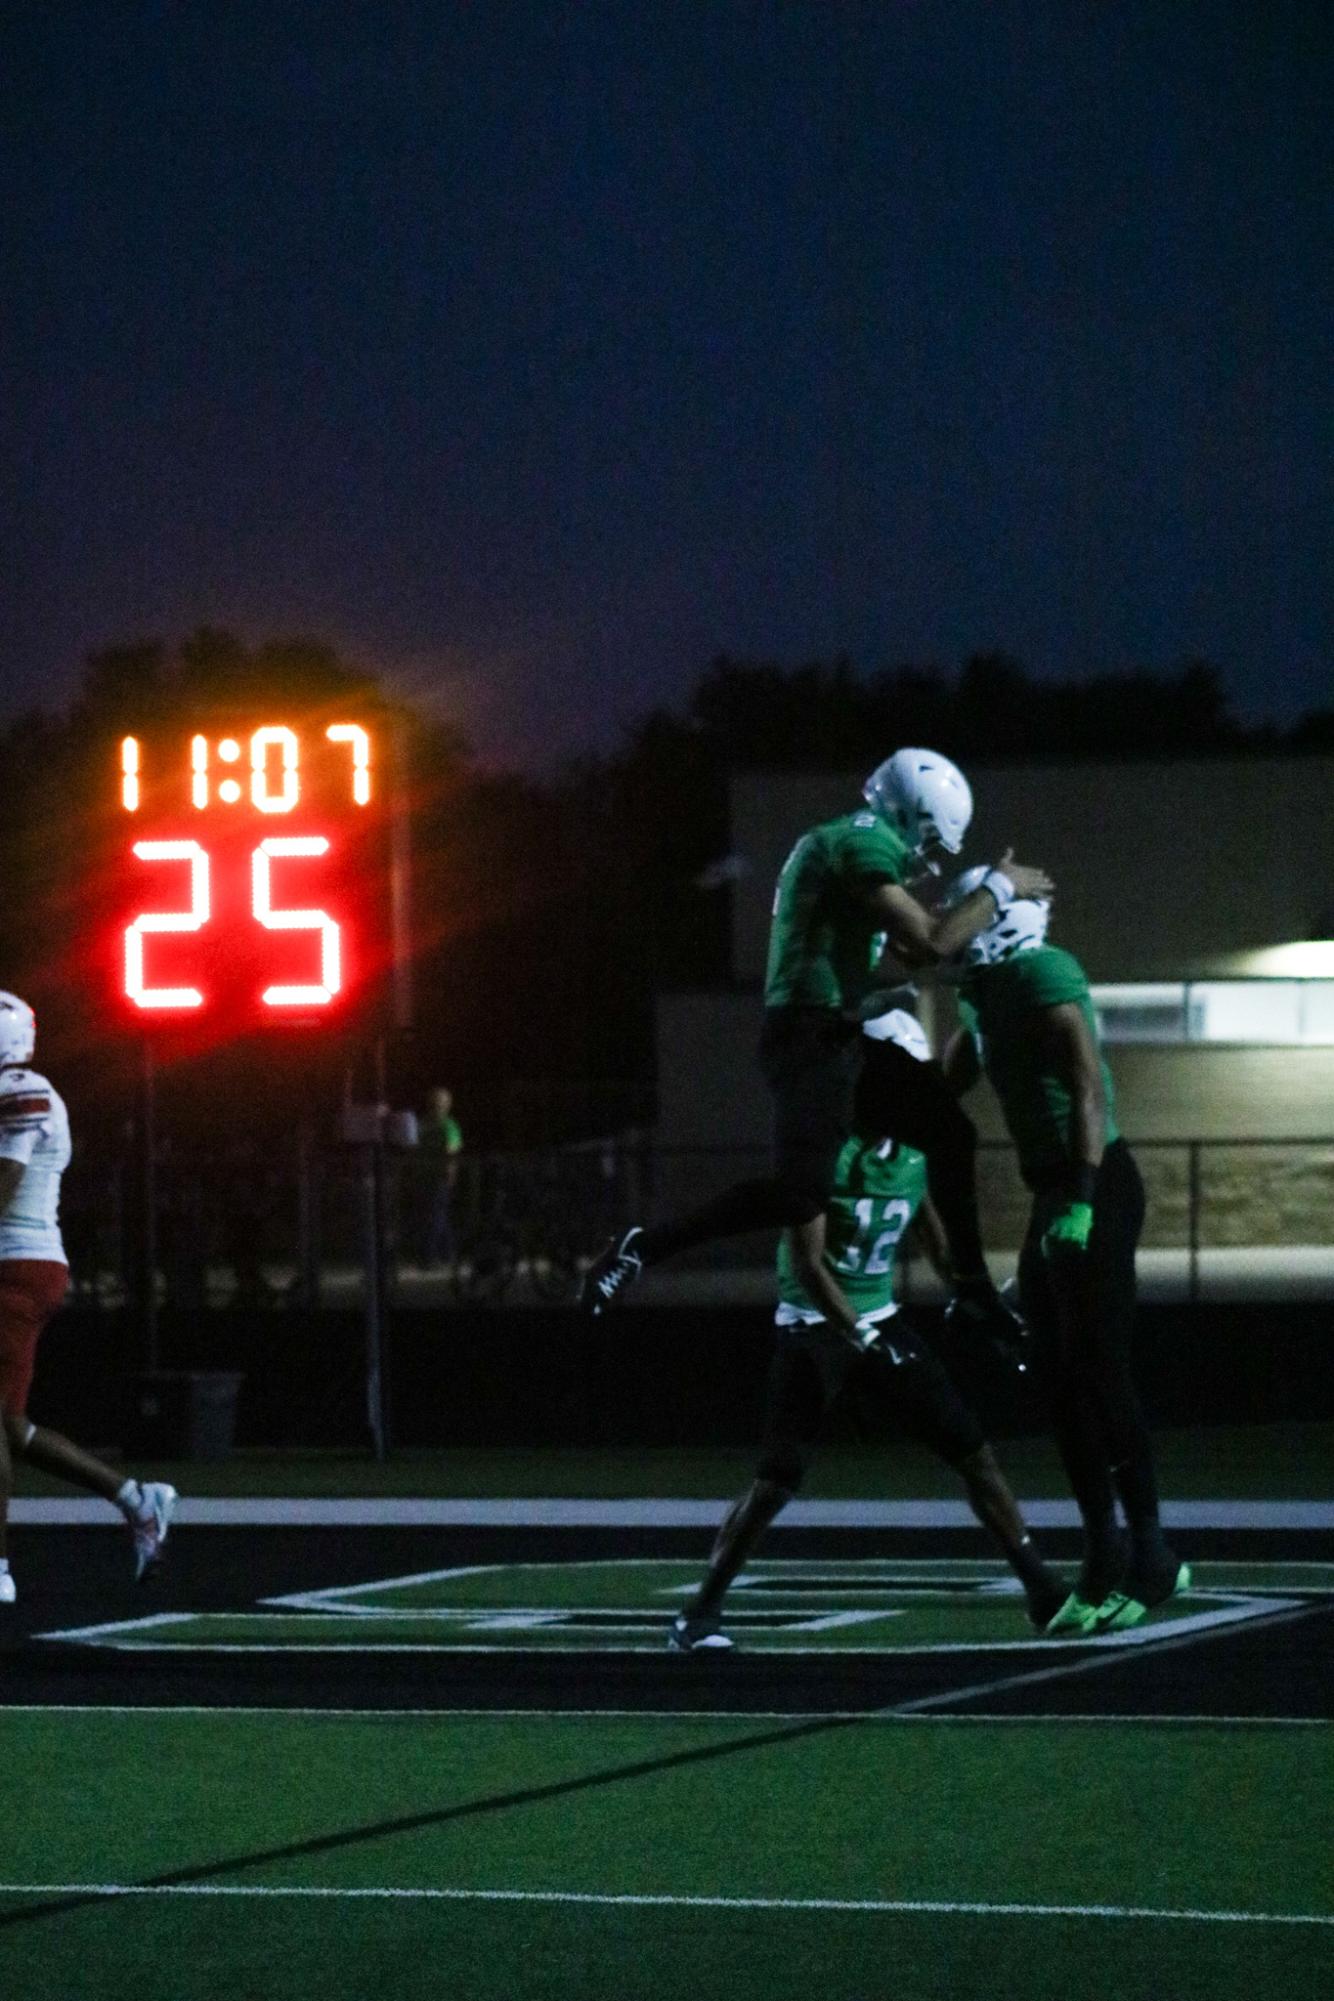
(918, 940)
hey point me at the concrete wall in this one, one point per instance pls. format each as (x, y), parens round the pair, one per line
(711, 1092)
(714, 1127)
(1163, 871)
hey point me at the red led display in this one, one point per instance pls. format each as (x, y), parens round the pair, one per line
(256, 880)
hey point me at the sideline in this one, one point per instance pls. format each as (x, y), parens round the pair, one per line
(535, 1512)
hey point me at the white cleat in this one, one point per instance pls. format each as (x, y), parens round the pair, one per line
(8, 1588)
(150, 1526)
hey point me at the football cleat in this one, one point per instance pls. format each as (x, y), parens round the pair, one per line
(1103, 1570)
(150, 1524)
(1153, 1584)
(1073, 1619)
(1046, 1598)
(611, 1274)
(8, 1588)
(689, 1634)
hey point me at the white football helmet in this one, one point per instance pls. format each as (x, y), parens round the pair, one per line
(1020, 927)
(924, 797)
(18, 1030)
(901, 1027)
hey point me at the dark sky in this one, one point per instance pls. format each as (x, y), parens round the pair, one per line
(535, 351)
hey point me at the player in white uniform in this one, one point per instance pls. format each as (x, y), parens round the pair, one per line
(34, 1274)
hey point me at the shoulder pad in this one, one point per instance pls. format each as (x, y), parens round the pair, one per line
(16, 1078)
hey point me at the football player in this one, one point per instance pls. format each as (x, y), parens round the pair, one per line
(879, 1193)
(34, 1153)
(1029, 1023)
(846, 928)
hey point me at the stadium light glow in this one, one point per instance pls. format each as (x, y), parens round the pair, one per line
(1305, 959)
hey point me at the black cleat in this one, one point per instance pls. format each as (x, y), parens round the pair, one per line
(611, 1274)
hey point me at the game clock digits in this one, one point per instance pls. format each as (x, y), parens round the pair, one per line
(256, 877)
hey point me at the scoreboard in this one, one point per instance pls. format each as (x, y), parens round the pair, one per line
(256, 874)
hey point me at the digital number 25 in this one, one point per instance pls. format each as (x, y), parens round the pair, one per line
(274, 848)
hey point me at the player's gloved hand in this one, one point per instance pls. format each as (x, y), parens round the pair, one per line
(872, 1337)
(980, 1310)
(1067, 1234)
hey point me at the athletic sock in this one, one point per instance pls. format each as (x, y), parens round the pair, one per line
(1027, 1565)
(1138, 1488)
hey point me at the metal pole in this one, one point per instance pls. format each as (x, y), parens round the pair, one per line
(375, 1227)
(307, 1228)
(148, 1207)
(400, 888)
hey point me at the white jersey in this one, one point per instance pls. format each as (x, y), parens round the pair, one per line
(34, 1129)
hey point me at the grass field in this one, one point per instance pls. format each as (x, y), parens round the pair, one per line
(395, 1762)
(553, 1855)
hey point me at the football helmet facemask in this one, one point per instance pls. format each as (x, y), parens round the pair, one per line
(18, 1030)
(1020, 927)
(924, 797)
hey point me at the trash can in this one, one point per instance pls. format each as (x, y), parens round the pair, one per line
(184, 1414)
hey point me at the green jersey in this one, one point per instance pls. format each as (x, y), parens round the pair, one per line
(876, 1193)
(995, 1003)
(824, 942)
(438, 1141)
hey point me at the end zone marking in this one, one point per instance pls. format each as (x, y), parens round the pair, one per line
(1168, 1637)
(1237, 1609)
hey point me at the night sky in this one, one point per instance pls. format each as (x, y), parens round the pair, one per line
(536, 351)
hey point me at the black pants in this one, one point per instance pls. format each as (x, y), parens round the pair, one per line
(1081, 1308)
(810, 1369)
(829, 1080)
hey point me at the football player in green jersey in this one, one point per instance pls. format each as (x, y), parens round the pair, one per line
(846, 926)
(1029, 1023)
(879, 1192)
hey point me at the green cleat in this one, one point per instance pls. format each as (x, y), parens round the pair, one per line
(1073, 1620)
(1123, 1609)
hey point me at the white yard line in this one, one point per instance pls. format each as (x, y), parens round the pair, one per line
(738, 1716)
(891, 1906)
(539, 1512)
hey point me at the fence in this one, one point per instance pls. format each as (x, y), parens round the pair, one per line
(289, 1229)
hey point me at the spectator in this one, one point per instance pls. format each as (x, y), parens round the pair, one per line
(439, 1144)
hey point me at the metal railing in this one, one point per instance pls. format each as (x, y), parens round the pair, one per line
(237, 1230)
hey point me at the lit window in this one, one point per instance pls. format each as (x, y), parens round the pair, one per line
(1285, 1012)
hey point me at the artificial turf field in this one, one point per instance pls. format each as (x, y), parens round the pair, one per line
(456, 1761)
